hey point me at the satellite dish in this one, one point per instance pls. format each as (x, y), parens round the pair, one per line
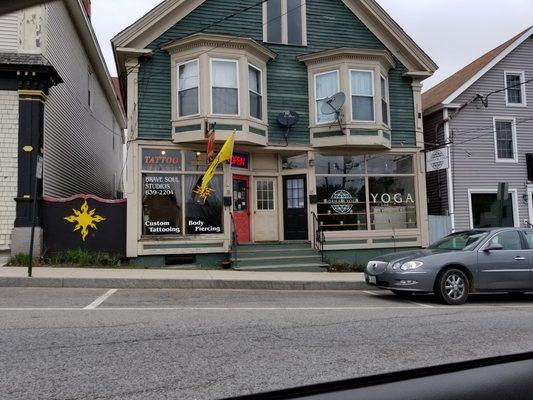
(333, 104)
(288, 118)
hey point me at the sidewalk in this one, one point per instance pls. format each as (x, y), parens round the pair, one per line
(179, 279)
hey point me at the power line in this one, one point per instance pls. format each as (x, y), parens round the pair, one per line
(491, 128)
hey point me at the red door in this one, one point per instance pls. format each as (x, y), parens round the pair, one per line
(241, 208)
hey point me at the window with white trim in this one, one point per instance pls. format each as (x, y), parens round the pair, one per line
(255, 91)
(188, 98)
(484, 210)
(326, 85)
(504, 138)
(362, 93)
(515, 92)
(384, 100)
(224, 87)
(284, 22)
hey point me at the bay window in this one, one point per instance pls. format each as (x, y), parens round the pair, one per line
(188, 99)
(358, 192)
(362, 95)
(384, 100)
(256, 93)
(326, 85)
(224, 87)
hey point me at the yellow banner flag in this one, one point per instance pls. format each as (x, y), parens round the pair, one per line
(225, 154)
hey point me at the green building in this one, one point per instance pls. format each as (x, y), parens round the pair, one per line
(324, 97)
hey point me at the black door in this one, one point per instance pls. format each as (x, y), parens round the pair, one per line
(295, 207)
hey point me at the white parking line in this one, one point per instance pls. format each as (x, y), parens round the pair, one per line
(100, 299)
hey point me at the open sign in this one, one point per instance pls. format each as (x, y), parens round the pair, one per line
(239, 160)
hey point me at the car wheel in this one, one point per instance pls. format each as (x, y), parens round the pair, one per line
(452, 287)
(401, 293)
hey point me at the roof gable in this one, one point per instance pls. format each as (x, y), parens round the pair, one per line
(169, 12)
(449, 89)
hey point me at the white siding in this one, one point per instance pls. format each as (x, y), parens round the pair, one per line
(474, 162)
(9, 33)
(79, 155)
(9, 119)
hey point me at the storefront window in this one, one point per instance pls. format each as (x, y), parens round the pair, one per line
(165, 195)
(345, 183)
(203, 218)
(162, 204)
(392, 202)
(390, 164)
(342, 203)
(161, 160)
(294, 162)
(339, 165)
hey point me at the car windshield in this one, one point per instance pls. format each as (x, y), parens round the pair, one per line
(460, 241)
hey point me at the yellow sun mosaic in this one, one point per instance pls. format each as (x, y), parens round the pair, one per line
(84, 219)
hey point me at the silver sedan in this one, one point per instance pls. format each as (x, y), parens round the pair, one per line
(490, 260)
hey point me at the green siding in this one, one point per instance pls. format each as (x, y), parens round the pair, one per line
(330, 24)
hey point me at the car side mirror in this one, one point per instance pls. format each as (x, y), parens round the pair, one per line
(493, 247)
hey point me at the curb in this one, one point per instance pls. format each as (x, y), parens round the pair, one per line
(105, 283)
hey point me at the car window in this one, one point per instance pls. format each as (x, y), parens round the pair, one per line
(510, 240)
(529, 237)
(460, 241)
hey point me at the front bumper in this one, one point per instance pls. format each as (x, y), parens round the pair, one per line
(409, 281)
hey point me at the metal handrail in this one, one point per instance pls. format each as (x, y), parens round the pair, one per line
(233, 239)
(319, 236)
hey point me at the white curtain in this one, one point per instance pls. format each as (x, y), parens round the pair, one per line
(326, 85)
(362, 83)
(188, 75)
(254, 80)
(224, 74)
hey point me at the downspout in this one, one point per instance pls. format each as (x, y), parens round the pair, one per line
(449, 171)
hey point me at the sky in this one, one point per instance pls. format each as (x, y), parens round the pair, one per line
(452, 32)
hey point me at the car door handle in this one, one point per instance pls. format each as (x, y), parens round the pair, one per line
(518, 258)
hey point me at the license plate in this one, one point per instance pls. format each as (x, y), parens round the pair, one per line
(372, 279)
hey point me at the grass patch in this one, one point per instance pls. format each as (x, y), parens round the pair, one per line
(346, 267)
(21, 259)
(71, 258)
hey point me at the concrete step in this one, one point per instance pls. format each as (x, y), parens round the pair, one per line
(273, 246)
(286, 261)
(305, 267)
(275, 253)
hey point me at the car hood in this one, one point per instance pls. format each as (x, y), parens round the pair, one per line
(410, 255)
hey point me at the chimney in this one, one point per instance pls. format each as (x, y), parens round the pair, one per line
(87, 6)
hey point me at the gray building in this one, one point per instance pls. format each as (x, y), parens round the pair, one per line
(57, 100)
(483, 115)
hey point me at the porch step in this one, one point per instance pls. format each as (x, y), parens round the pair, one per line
(274, 253)
(317, 267)
(286, 260)
(298, 256)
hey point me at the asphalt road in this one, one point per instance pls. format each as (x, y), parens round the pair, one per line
(200, 344)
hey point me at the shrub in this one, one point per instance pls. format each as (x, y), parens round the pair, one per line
(345, 267)
(20, 259)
